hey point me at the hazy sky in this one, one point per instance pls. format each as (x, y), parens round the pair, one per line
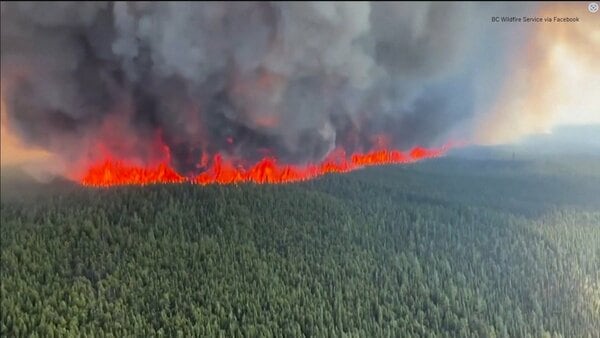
(555, 80)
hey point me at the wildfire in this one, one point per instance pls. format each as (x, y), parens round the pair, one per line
(267, 171)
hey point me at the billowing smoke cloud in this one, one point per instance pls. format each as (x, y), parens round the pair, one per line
(291, 80)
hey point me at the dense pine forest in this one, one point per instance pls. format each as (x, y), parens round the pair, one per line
(444, 248)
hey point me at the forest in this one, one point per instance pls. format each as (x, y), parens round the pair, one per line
(450, 247)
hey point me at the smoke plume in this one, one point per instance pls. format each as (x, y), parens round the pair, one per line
(145, 81)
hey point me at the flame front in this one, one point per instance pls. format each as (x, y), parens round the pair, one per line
(267, 171)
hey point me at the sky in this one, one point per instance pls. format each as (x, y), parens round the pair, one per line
(554, 81)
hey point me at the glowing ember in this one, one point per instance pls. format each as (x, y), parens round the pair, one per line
(110, 172)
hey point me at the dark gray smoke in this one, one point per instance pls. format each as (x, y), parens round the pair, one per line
(292, 80)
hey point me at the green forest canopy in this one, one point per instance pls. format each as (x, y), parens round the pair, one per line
(445, 248)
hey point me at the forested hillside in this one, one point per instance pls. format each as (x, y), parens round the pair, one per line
(445, 248)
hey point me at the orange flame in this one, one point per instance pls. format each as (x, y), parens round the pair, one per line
(266, 171)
